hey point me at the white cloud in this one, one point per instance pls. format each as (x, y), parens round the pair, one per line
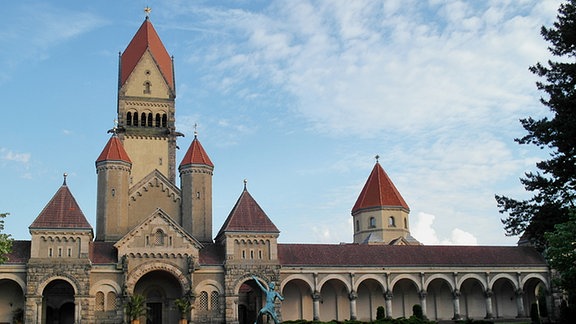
(424, 231)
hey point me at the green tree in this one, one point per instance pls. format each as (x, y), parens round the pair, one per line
(561, 254)
(5, 240)
(554, 184)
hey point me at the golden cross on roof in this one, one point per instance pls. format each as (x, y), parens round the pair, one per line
(147, 10)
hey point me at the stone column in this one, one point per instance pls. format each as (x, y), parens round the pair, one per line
(353, 296)
(388, 301)
(488, 295)
(456, 302)
(520, 302)
(316, 305)
(422, 296)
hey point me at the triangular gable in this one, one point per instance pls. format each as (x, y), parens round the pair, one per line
(143, 240)
(248, 216)
(61, 212)
(154, 178)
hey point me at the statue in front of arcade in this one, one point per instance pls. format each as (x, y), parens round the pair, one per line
(271, 296)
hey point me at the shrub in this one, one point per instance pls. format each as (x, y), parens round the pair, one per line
(380, 313)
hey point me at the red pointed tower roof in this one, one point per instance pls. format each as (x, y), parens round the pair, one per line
(196, 154)
(146, 38)
(62, 212)
(379, 191)
(114, 151)
(247, 216)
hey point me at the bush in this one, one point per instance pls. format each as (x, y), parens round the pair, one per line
(417, 311)
(380, 313)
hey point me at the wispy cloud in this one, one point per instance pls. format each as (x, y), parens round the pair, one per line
(9, 155)
(43, 27)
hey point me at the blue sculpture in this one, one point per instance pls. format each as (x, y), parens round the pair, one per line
(271, 295)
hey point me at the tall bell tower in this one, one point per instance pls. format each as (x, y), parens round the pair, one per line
(146, 95)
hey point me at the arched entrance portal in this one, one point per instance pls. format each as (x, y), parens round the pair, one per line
(58, 303)
(249, 302)
(160, 288)
(11, 300)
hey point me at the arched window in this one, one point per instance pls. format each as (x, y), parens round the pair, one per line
(159, 237)
(405, 223)
(357, 225)
(391, 222)
(110, 301)
(147, 86)
(129, 119)
(372, 222)
(215, 301)
(143, 119)
(164, 120)
(135, 123)
(150, 120)
(203, 301)
(157, 120)
(99, 301)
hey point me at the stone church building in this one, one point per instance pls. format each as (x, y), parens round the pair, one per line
(153, 237)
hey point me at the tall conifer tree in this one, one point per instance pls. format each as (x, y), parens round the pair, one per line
(554, 184)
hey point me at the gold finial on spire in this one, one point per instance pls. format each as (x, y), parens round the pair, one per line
(147, 10)
(65, 175)
(195, 130)
(245, 182)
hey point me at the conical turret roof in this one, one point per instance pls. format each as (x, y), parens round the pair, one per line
(196, 154)
(379, 191)
(146, 38)
(62, 212)
(114, 151)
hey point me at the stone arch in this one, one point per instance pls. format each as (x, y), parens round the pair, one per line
(98, 286)
(147, 267)
(339, 277)
(481, 280)
(297, 290)
(209, 283)
(60, 276)
(302, 277)
(370, 290)
(532, 276)
(472, 289)
(414, 278)
(375, 277)
(442, 276)
(405, 289)
(507, 276)
(16, 279)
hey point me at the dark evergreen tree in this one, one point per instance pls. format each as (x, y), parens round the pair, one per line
(554, 184)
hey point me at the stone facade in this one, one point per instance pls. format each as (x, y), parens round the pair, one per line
(154, 238)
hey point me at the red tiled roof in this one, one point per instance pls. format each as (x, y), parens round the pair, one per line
(406, 255)
(379, 191)
(114, 151)
(146, 38)
(247, 216)
(196, 155)
(20, 252)
(61, 212)
(212, 254)
(103, 253)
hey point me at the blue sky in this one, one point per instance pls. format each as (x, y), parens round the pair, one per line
(295, 96)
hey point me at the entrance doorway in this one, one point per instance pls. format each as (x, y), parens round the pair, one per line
(249, 302)
(154, 315)
(58, 300)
